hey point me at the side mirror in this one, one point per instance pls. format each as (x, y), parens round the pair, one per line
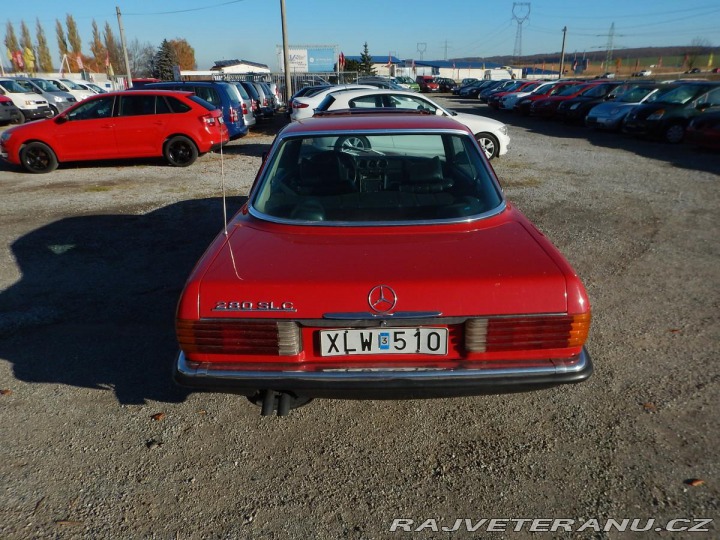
(61, 119)
(702, 106)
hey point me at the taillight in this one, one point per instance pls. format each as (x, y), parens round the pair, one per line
(233, 115)
(526, 333)
(208, 119)
(221, 336)
(299, 105)
(244, 108)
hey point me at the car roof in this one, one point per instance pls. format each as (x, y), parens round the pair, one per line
(372, 122)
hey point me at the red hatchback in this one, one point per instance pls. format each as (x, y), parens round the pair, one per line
(377, 257)
(547, 107)
(178, 126)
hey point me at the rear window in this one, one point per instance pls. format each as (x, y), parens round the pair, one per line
(199, 101)
(376, 178)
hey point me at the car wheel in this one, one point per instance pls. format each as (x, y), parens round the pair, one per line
(352, 141)
(54, 111)
(37, 157)
(489, 144)
(675, 133)
(19, 118)
(180, 151)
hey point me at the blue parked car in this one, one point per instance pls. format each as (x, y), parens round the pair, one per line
(217, 93)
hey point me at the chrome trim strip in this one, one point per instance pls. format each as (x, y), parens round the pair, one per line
(360, 316)
(470, 219)
(203, 373)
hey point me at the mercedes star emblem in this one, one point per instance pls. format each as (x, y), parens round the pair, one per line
(382, 299)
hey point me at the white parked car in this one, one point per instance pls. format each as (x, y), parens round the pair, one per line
(490, 134)
(304, 107)
(72, 87)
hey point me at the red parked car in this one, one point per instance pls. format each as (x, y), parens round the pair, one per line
(326, 283)
(521, 86)
(178, 126)
(427, 83)
(547, 107)
(523, 105)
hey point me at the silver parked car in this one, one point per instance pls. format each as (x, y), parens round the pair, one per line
(57, 98)
(246, 101)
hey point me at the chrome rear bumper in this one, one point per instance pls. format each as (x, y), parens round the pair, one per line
(386, 383)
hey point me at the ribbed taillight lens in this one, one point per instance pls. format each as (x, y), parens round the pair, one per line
(495, 334)
(227, 336)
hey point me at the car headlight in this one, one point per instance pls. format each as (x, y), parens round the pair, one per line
(58, 99)
(5, 137)
(503, 129)
(574, 106)
(657, 115)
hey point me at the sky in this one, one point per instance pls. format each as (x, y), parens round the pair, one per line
(407, 29)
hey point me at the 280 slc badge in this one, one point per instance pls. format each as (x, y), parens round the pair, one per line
(254, 306)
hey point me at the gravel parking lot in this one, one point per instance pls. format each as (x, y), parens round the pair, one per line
(97, 443)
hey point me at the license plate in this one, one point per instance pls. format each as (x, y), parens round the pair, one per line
(382, 341)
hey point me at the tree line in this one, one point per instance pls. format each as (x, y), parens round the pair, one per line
(26, 55)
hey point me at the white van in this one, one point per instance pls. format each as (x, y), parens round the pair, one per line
(31, 105)
(76, 90)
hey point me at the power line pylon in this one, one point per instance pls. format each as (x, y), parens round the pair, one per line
(520, 13)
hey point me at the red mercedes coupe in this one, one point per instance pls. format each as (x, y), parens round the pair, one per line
(377, 257)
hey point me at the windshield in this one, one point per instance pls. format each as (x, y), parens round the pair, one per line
(27, 86)
(48, 86)
(636, 95)
(376, 178)
(543, 88)
(71, 85)
(682, 94)
(567, 90)
(13, 87)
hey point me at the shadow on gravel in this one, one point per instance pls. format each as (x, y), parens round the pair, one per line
(683, 156)
(95, 305)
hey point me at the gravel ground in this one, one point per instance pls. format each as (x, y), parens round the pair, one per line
(97, 443)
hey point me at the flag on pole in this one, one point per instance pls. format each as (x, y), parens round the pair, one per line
(79, 61)
(710, 60)
(341, 62)
(659, 64)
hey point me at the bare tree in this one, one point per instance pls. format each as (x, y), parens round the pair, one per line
(698, 47)
(140, 56)
(45, 63)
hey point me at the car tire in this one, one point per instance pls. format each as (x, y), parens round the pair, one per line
(674, 133)
(489, 143)
(38, 158)
(352, 141)
(179, 151)
(54, 111)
